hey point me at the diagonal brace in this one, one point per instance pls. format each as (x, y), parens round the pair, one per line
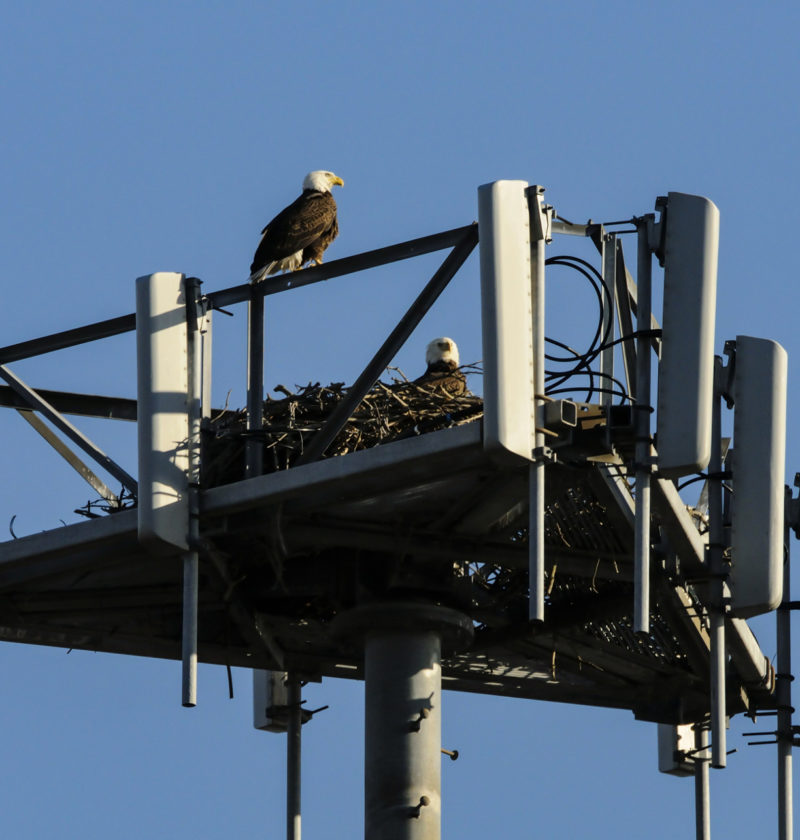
(418, 309)
(38, 403)
(69, 456)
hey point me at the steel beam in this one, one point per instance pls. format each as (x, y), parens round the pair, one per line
(70, 457)
(536, 471)
(717, 585)
(35, 401)
(643, 468)
(67, 338)
(347, 265)
(294, 735)
(785, 734)
(407, 324)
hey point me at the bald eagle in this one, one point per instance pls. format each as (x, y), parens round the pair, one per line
(442, 374)
(300, 232)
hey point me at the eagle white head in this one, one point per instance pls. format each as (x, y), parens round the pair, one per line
(442, 350)
(321, 180)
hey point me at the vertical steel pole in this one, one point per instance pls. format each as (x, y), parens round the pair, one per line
(402, 768)
(190, 558)
(702, 799)
(784, 693)
(641, 579)
(254, 447)
(536, 488)
(293, 755)
(609, 259)
(717, 585)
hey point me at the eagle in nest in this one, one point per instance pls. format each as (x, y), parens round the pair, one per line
(443, 374)
(301, 232)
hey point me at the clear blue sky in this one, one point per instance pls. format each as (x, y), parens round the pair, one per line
(162, 136)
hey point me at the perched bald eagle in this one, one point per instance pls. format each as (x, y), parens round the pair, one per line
(300, 232)
(443, 374)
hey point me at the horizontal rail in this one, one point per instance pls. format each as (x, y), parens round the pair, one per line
(68, 338)
(83, 405)
(238, 294)
(346, 265)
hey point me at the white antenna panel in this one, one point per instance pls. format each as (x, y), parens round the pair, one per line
(686, 369)
(162, 410)
(505, 260)
(676, 749)
(270, 701)
(759, 439)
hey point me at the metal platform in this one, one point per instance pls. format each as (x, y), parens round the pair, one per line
(284, 555)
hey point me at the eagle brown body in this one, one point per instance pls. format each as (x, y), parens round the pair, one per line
(301, 232)
(442, 374)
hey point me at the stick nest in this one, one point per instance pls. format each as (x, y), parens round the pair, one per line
(387, 413)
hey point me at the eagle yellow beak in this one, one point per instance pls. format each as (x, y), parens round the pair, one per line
(337, 180)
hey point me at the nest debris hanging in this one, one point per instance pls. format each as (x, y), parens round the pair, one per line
(387, 413)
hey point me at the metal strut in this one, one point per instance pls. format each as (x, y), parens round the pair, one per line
(643, 469)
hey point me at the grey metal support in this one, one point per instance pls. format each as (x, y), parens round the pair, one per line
(254, 446)
(402, 768)
(717, 586)
(69, 456)
(785, 736)
(293, 757)
(191, 559)
(609, 260)
(403, 644)
(536, 470)
(623, 300)
(702, 799)
(407, 324)
(641, 581)
(37, 402)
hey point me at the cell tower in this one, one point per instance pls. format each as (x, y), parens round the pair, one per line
(498, 544)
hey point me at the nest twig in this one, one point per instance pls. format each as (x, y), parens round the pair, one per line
(387, 413)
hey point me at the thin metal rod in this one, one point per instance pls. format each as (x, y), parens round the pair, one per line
(784, 695)
(717, 586)
(536, 471)
(609, 260)
(254, 446)
(70, 457)
(41, 405)
(641, 579)
(347, 265)
(191, 560)
(407, 324)
(191, 579)
(293, 758)
(702, 798)
(68, 338)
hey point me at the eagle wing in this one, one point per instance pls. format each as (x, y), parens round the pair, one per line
(297, 226)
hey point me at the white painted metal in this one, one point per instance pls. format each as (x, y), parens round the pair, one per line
(759, 440)
(508, 368)
(685, 380)
(540, 234)
(163, 423)
(270, 692)
(675, 745)
(643, 470)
